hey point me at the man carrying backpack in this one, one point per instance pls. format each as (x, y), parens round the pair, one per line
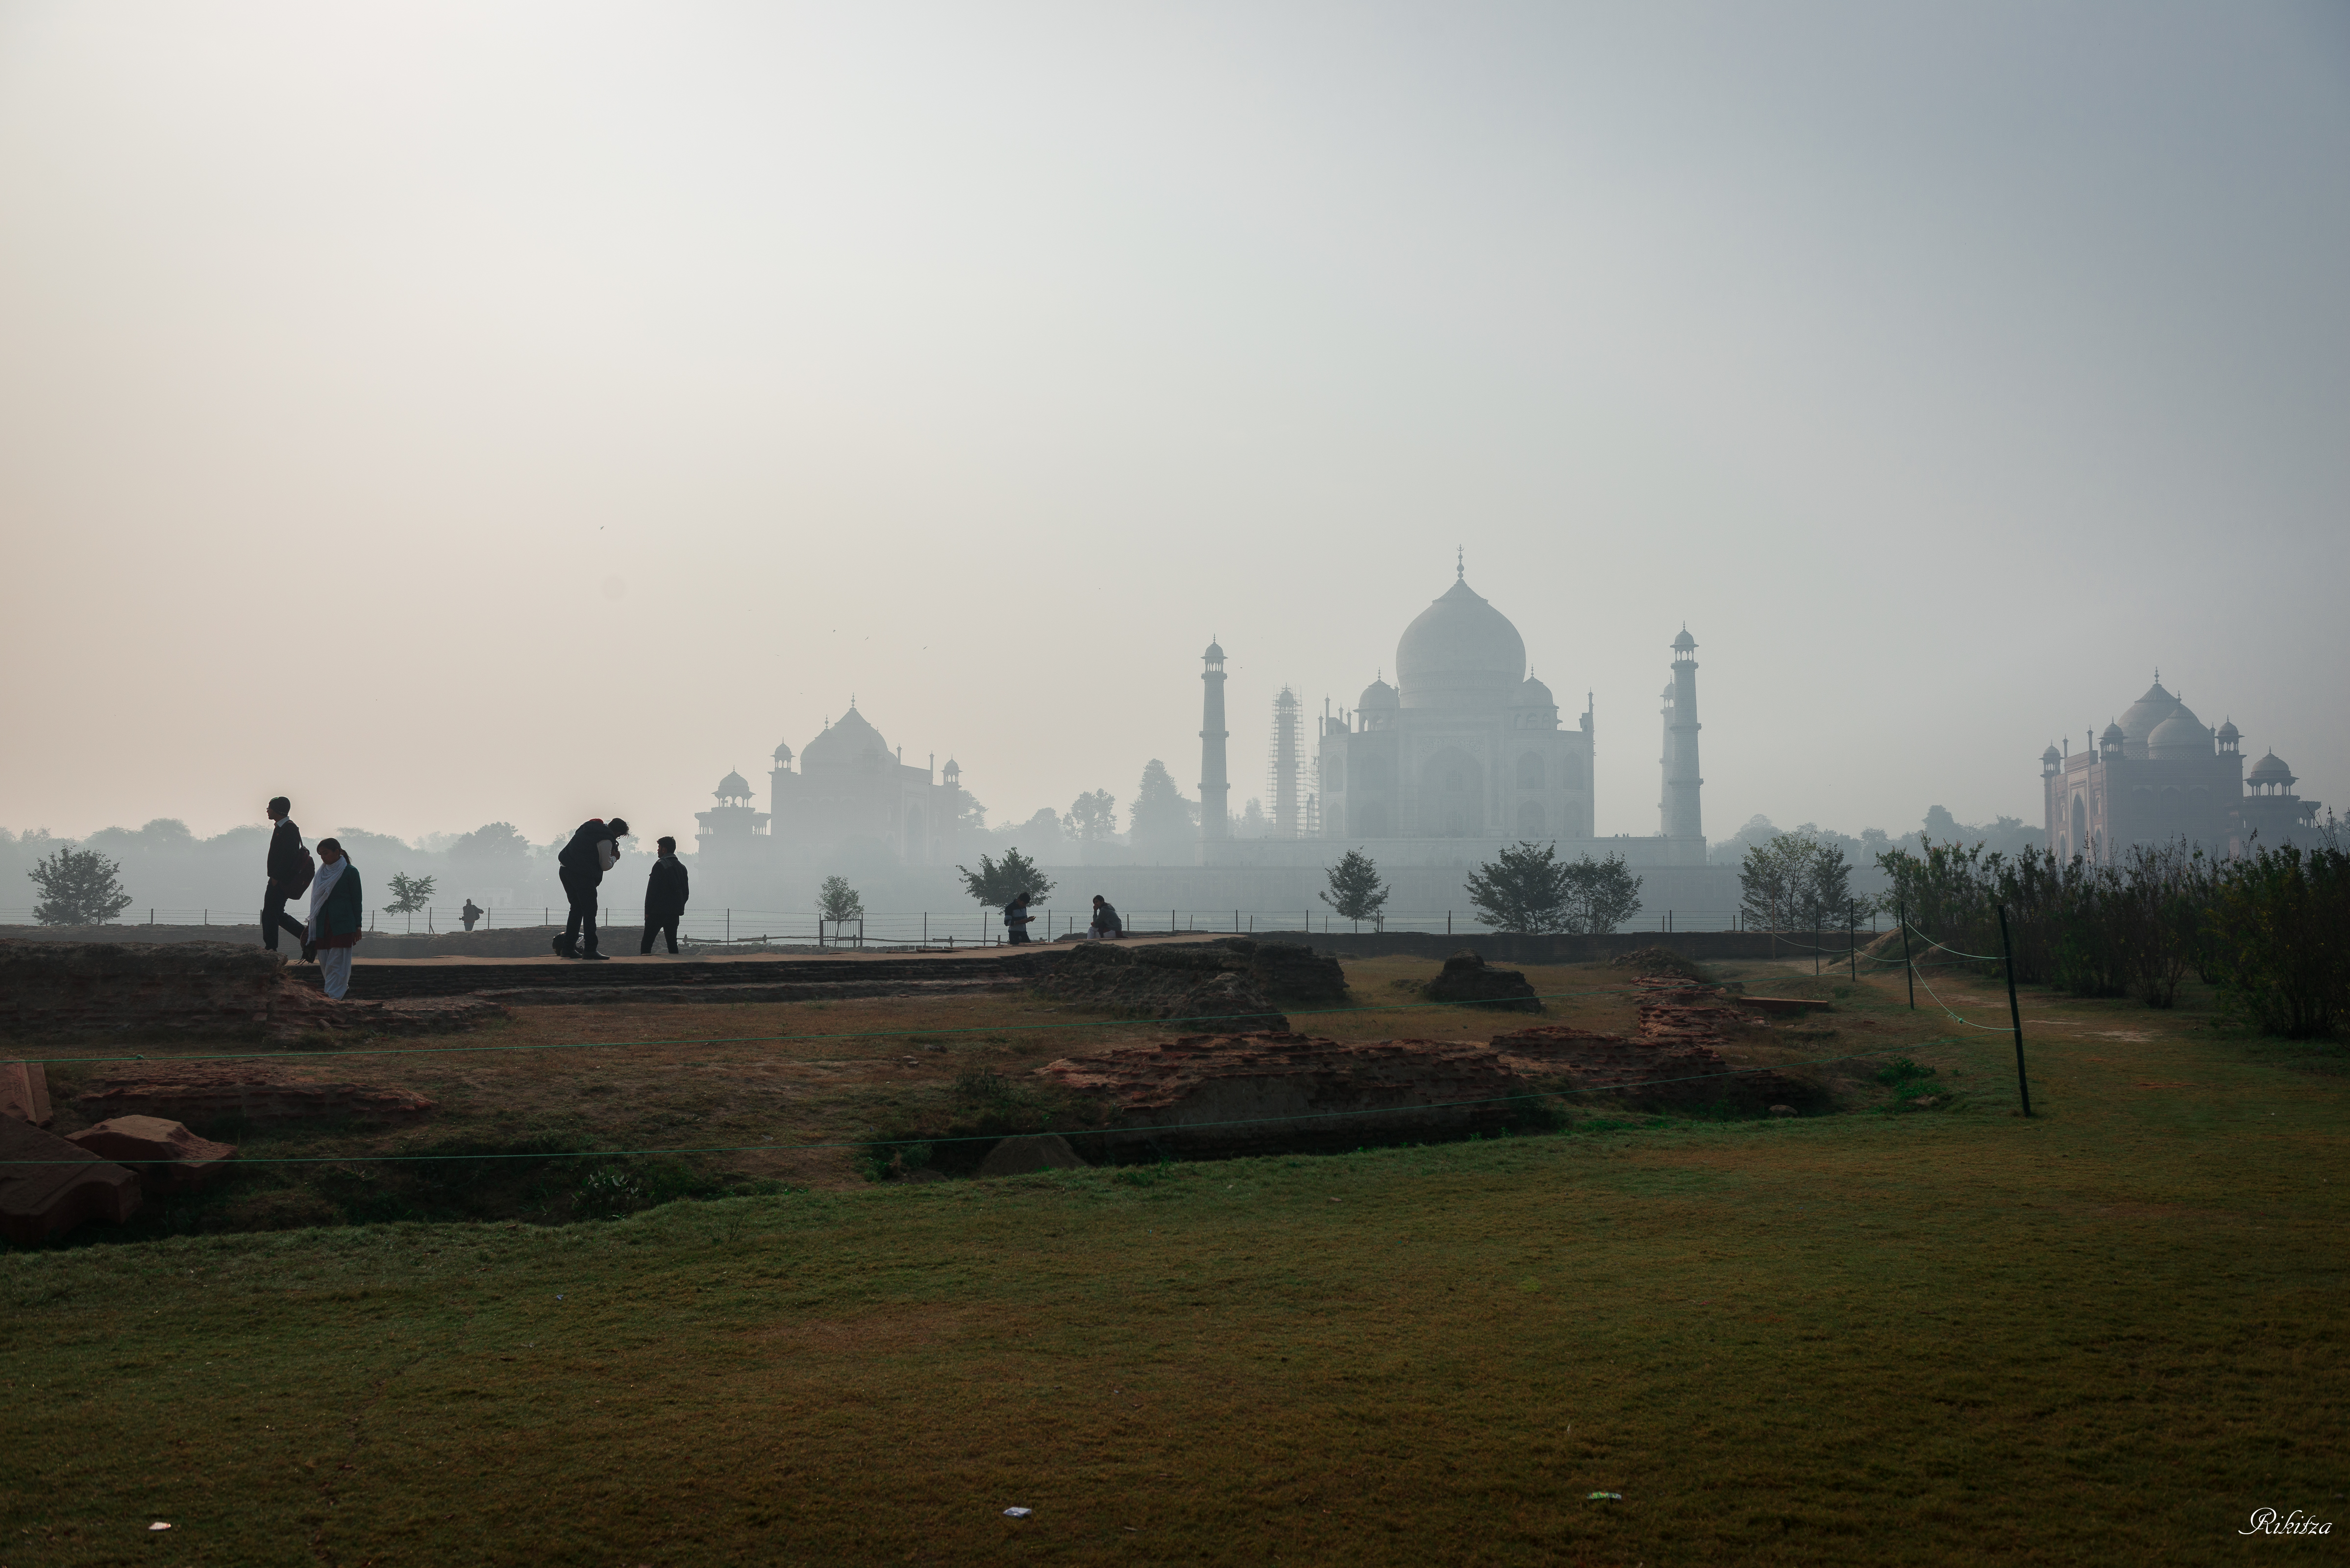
(290, 871)
(594, 849)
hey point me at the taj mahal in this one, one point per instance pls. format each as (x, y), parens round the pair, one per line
(1464, 754)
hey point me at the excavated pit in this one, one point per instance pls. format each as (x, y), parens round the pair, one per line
(1226, 1095)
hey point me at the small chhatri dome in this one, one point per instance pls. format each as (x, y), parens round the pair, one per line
(2180, 735)
(1684, 643)
(2227, 731)
(2113, 736)
(2270, 769)
(1215, 649)
(783, 751)
(1460, 650)
(1378, 694)
(953, 770)
(733, 786)
(2052, 755)
(1532, 693)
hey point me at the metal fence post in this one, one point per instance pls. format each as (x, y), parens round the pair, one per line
(2014, 1013)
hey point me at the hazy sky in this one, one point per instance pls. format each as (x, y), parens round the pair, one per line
(450, 413)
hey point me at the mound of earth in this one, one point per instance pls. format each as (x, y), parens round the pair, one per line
(1467, 978)
(1230, 982)
(194, 988)
(211, 1093)
(1674, 1063)
(1213, 1096)
(1662, 962)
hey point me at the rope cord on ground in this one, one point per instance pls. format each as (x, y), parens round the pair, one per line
(771, 1147)
(1987, 1028)
(1978, 958)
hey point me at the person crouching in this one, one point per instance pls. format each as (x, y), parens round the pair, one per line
(1106, 927)
(335, 917)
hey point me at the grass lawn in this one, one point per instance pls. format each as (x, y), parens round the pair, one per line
(2106, 1334)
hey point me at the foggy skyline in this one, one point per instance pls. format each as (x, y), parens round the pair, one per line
(528, 413)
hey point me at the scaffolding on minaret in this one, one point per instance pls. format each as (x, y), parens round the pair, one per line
(1283, 758)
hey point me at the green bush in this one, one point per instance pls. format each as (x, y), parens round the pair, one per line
(2278, 939)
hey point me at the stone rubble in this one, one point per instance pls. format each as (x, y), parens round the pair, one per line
(252, 1092)
(1231, 980)
(1259, 1094)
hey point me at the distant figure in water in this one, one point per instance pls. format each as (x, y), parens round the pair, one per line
(1107, 925)
(335, 916)
(1016, 917)
(469, 914)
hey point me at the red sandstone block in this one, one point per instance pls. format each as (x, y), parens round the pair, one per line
(142, 1141)
(48, 1186)
(24, 1092)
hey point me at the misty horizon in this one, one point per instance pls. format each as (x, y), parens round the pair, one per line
(520, 414)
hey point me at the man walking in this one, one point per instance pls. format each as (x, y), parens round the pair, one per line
(290, 871)
(1016, 917)
(594, 849)
(665, 893)
(470, 914)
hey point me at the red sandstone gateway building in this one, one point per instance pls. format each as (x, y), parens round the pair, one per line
(2158, 775)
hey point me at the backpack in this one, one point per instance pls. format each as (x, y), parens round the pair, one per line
(299, 884)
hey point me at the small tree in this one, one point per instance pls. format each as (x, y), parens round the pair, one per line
(836, 900)
(1160, 819)
(998, 882)
(1771, 881)
(409, 894)
(79, 888)
(1356, 890)
(1601, 894)
(1092, 817)
(1524, 890)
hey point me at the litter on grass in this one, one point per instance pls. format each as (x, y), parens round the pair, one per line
(1607, 1497)
(1018, 1512)
(159, 1524)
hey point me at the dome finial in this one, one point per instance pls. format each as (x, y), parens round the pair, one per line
(1460, 565)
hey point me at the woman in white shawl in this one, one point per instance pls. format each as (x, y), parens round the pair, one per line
(335, 916)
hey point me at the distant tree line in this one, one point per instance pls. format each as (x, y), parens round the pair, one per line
(2269, 930)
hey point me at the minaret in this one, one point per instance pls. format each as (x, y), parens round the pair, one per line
(1682, 819)
(1214, 786)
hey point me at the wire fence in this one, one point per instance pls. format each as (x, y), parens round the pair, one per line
(965, 927)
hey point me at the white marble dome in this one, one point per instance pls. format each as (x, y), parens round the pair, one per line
(1459, 652)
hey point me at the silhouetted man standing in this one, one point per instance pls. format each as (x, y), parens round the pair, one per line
(470, 913)
(594, 849)
(665, 895)
(290, 871)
